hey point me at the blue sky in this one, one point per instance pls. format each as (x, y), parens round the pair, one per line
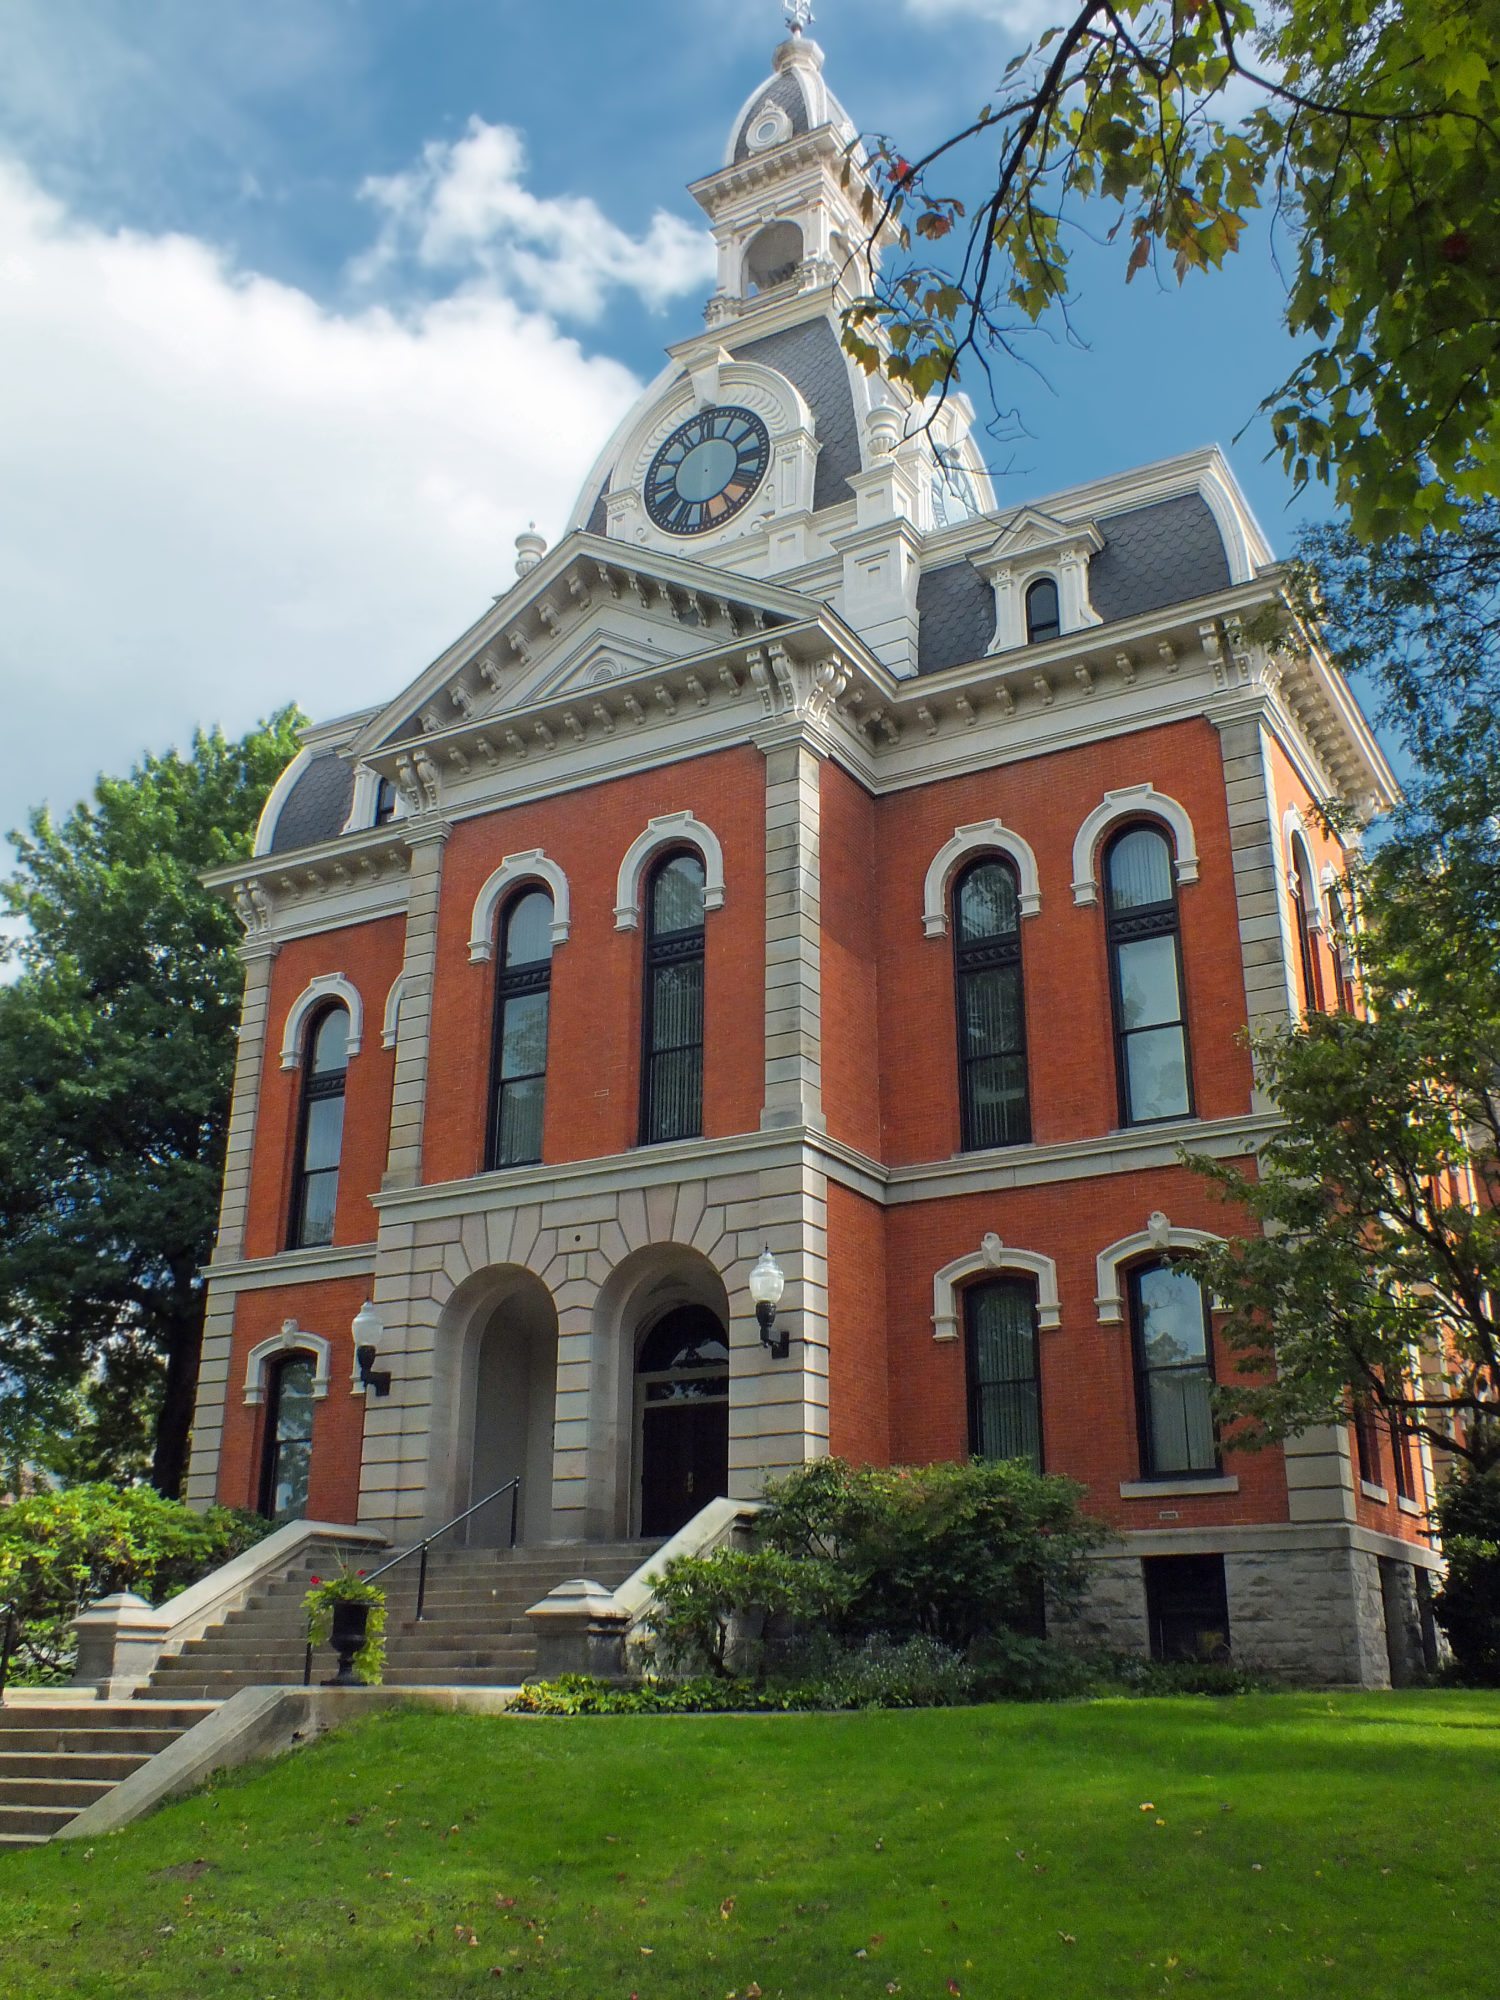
(291, 346)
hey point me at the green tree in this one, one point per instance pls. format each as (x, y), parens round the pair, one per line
(1371, 127)
(1377, 1281)
(116, 1061)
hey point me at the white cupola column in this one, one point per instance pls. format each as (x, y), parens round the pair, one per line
(882, 555)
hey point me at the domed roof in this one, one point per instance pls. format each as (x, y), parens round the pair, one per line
(793, 100)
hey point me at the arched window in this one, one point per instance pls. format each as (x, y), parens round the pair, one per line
(1173, 1372)
(991, 1012)
(518, 1066)
(1343, 953)
(672, 1059)
(286, 1457)
(320, 1134)
(385, 802)
(1043, 620)
(1151, 1048)
(1004, 1378)
(773, 257)
(1304, 919)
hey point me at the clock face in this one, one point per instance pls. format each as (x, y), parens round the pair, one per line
(707, 470)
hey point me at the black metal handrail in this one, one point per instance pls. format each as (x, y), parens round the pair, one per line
(511, 1486)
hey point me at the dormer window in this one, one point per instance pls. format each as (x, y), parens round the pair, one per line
(385, 803)
(1043, 618)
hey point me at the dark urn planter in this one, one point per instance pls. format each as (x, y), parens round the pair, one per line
(350, 1623)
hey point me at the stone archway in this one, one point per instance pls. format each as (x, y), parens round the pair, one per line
(501, 1341)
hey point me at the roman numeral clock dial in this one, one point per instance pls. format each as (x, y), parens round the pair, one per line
(707, 470)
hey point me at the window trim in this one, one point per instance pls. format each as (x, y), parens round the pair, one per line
(1017, 1281)
(1126, 803)
(1307, 922)
(1003, 953)
(649, 966)
(292, 1339)
(984, 836)
(1111, 1266)
(1150, 1474)
(1112, 945)
(993, 1258)
(661, 837)
(514, 872)
(315, 1087)
(327, 986)
(514, 983)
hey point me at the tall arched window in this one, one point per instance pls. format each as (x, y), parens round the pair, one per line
(1343, 953)
(1043, 620)
(672, 1055)
(320, 1134)
(1004, 1379)
(1146, 977)
(518, 1066)
(286, 1457)
(1173, 1372)
(1304, 919)
(991, 1013)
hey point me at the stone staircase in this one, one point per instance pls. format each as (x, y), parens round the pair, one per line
(58, 1757)
(474, 1631)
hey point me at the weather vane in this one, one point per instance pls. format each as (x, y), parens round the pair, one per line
(798, 14)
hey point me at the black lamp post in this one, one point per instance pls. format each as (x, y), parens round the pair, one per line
(767, 1283)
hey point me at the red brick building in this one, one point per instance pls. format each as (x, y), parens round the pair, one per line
(806, 853)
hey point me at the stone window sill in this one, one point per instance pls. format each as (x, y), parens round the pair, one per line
(1374, 1492)
(1164, 1489)
(1409, 1506)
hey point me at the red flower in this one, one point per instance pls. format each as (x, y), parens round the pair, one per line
(362, 1572)
(317, 1580)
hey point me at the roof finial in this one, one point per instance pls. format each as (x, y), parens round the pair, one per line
(798, 14)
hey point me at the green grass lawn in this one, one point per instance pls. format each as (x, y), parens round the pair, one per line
(1301, 1845)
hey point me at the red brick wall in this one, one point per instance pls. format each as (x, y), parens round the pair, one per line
(859, 1425)
(338, 1422)
(594, 1036)
(1088, 1384)
(1064, 959)
(369, 956)
(850, 989)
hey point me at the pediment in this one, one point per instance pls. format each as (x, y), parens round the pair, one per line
(588, 614)
(1032, 533)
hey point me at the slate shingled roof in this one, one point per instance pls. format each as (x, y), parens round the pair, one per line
(784, 91)
(317, 805)
(811, 359)
(1167, 553)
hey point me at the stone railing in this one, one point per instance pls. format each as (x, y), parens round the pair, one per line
(121, 1638)
(582, 1628)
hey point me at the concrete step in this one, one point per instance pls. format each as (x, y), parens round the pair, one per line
(102, 1767)
(75, 1793)
(36, 1822)
(93, 1716)
(218, 1687)
(134, 1744)
(453, 1677)
(21, 1839)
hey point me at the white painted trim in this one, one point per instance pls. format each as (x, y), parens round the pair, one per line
(390, 1025)
(327, 986)
(1293, 831)
(1129, 802)
(992, 1255)
(1154, 1240)
(270, 812)
(531, 866)
(670, 830)
(292, 1339)
(985, 836)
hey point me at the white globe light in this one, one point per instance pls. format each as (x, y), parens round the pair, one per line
(767, 1281)
(368, 1326)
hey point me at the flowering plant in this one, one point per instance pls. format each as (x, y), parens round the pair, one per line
(349, 1587)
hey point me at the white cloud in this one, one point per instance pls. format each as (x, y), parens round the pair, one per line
(464, 206)
(1021, 17)
(216, 494)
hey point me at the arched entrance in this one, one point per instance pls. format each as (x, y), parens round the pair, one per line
(501, 1346)
(682, 1390)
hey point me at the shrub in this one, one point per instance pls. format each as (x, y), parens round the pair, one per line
(952, 1552)
(1133, 1675)
(1468, 1606)
(909, 1673)
(1019, 1666)
(60, 1551)
(706, 1603)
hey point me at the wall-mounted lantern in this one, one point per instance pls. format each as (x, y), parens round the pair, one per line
(367, 1329)
(767, 1283)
